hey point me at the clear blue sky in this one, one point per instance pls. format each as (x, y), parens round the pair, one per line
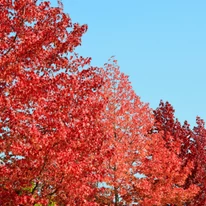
(161, 45)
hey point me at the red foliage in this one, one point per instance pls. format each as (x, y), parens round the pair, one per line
(126, 121)
(50, 108)
(65, 126)
(151, 157)
(172, 160)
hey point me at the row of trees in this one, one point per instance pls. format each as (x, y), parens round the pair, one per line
(73, 134)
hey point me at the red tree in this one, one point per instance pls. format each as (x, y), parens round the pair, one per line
(169, 167)
(126, 121)
(50, 108)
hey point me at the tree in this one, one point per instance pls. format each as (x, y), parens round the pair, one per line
(50, 104)
(126, 121)
(171, 161)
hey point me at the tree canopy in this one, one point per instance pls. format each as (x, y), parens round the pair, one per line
(75, 134)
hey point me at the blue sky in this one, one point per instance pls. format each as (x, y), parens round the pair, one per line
(161, 45)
